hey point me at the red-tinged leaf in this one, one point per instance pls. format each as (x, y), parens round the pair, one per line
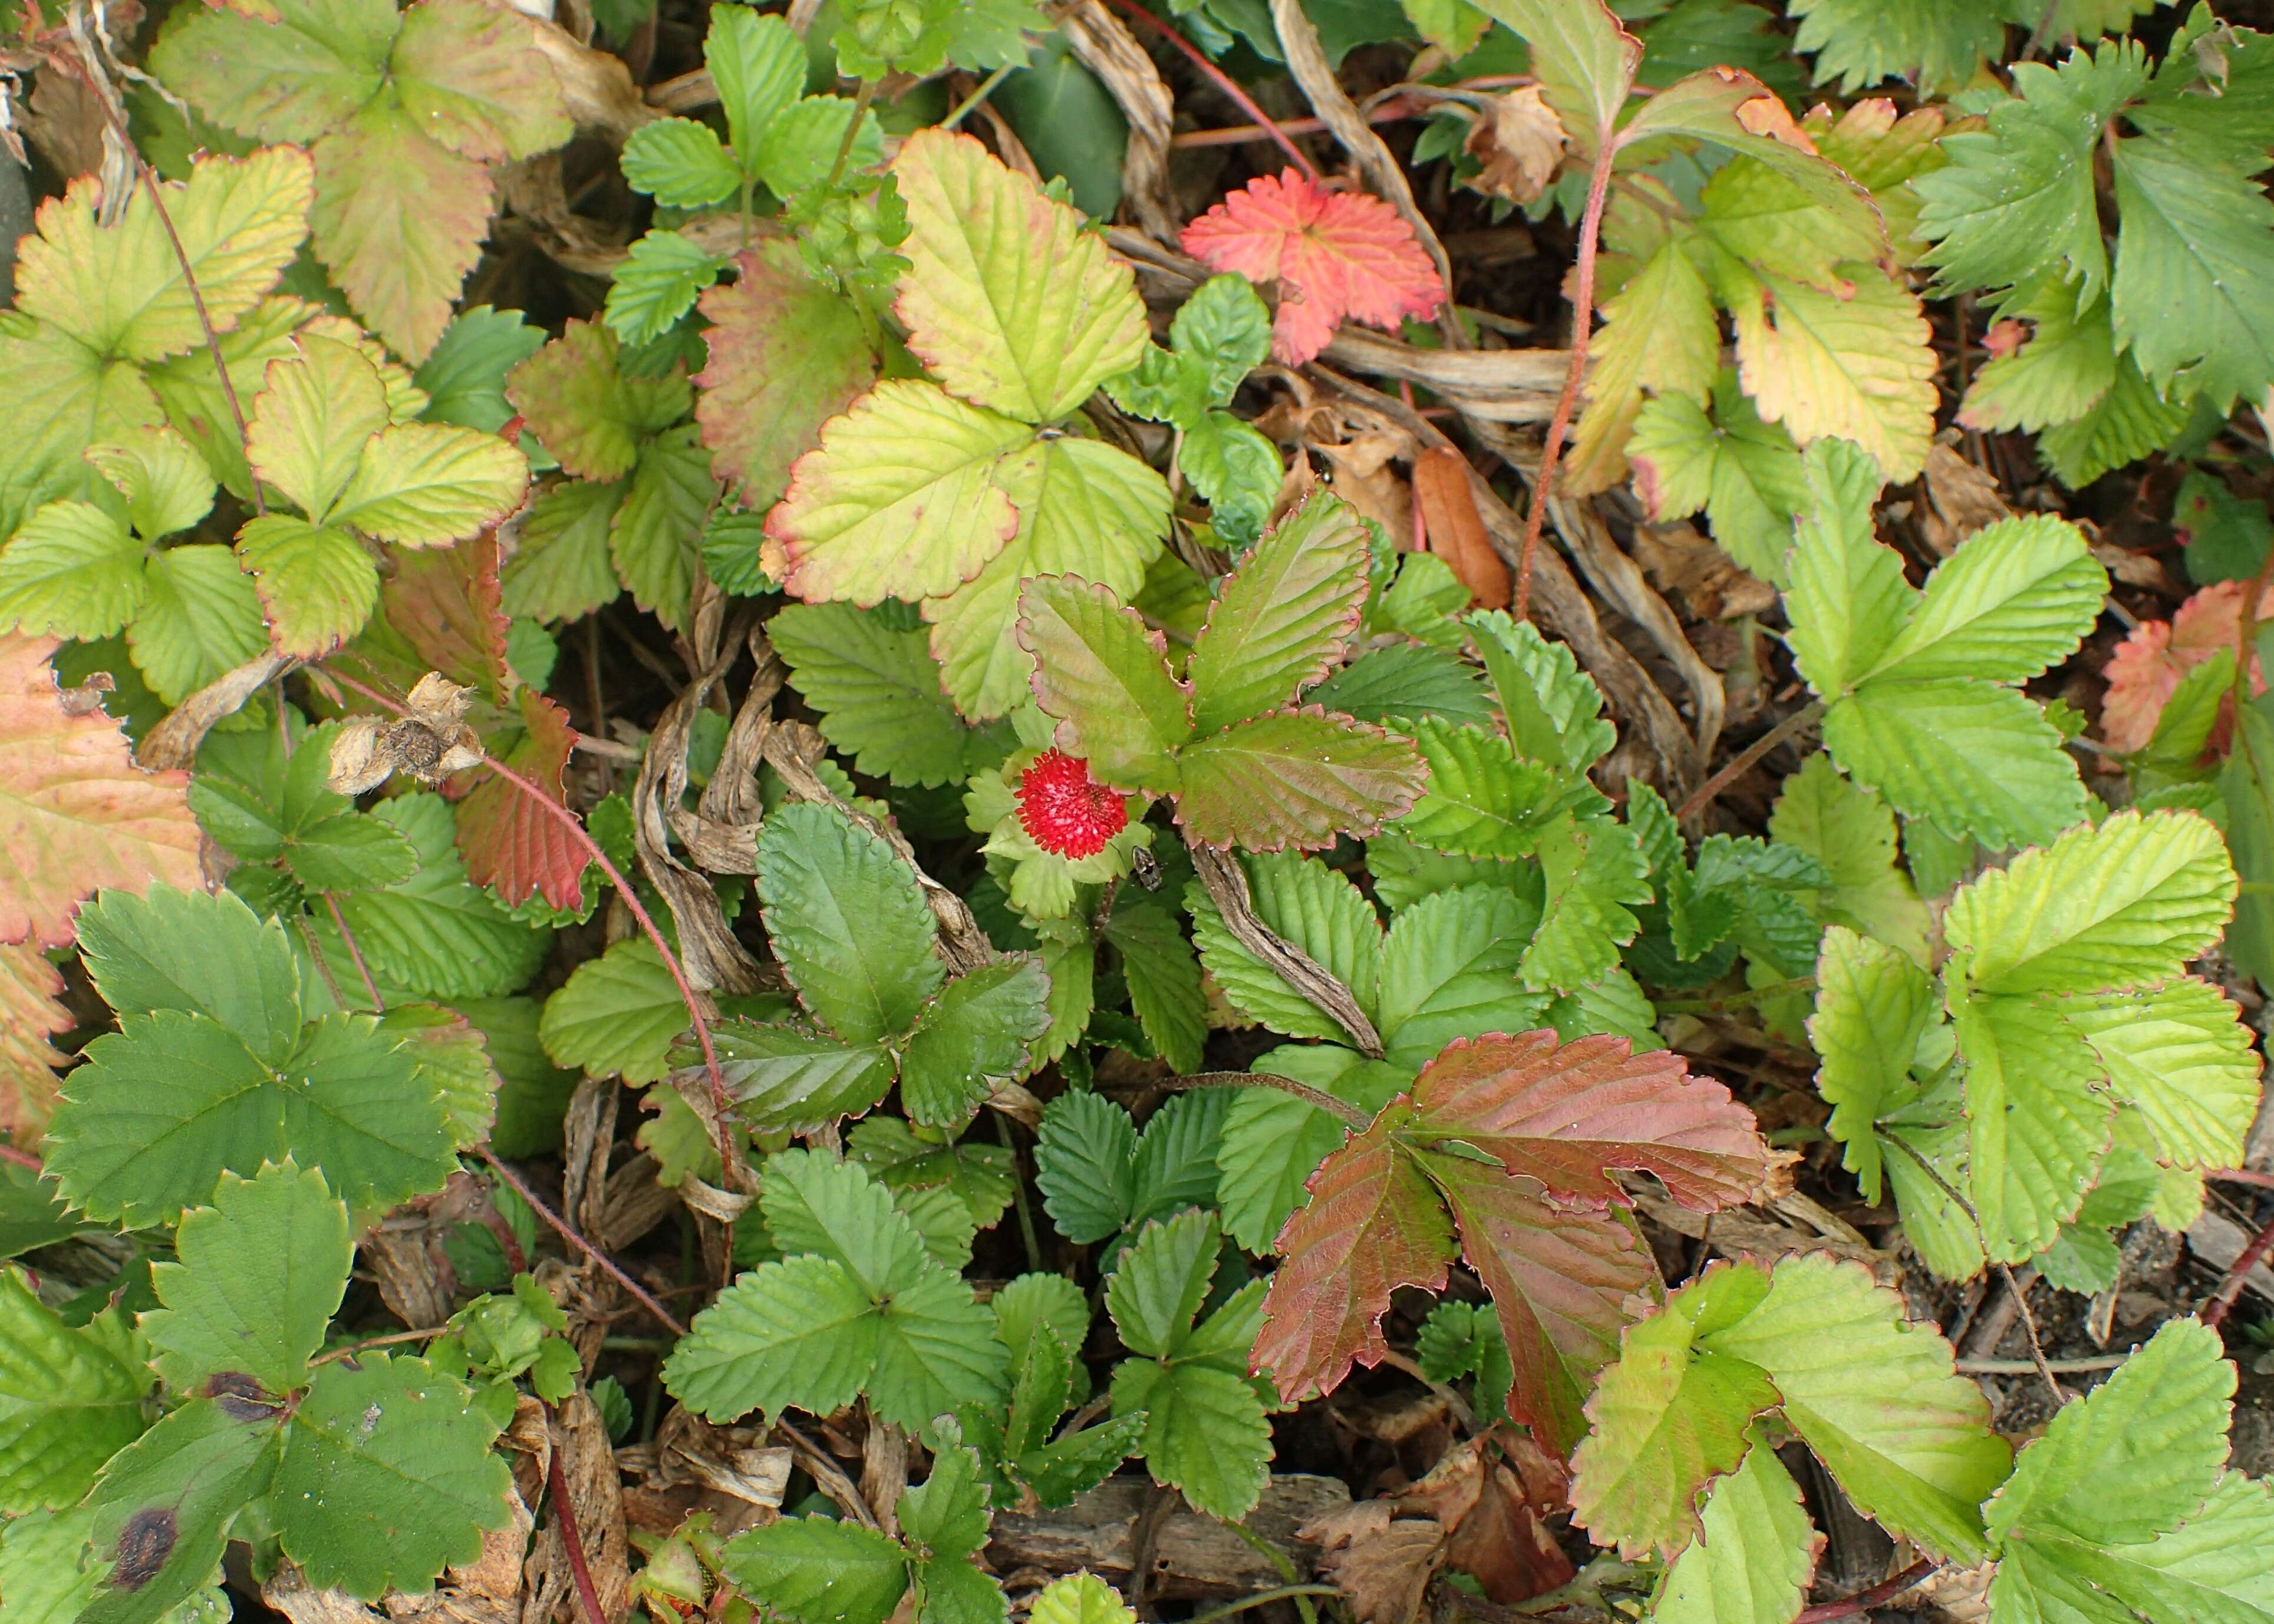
(2148, 666)
(400, 221)
(76, 813)
(442, 610)
(1568, 1115)
(787, 355)
(1337, 256)
(1373, 1223)
(576, 400)
(1296, 778)
(30, 1013)
(507, 841)
(1559, 1276)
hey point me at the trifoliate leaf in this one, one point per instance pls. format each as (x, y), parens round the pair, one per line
(388, 1477)
(758, 64)
(259, 1275)
(983, 242)
(266, 806)
(77, 813)
(847, 920)
(1743, 472)
(786, 354)
(169, 1102)
(69, 1398)
(578, 400)
(662, 276)
(199, 953)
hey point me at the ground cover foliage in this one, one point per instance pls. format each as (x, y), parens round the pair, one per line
(906, 810)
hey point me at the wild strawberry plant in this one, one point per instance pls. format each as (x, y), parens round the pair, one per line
(743, 871)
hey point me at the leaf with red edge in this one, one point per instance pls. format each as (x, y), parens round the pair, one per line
(442, 610)
(30, 1014)
(1559, 1276)
(1373, 1223)
(1296, 778)
(1569, 1114)
(509, 842)
(1337, 256)
(787, 355)
(76, 813)
(2147, 667)
(576, 399)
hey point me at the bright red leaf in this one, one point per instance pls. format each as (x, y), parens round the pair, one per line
(1567, 1115)
(1337, 256)
(507, 841)
(1373, 1223)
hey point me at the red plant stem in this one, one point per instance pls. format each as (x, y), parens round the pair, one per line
(2215, 1311)
(560, 1227)
(1582, 323)
(572, 1539)
(2242, 1175)
(354, 952)
(574, 826)
(1862, 1601)
(1221, 79)
(21, 1158)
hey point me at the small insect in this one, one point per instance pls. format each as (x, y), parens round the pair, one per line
(1147, 870)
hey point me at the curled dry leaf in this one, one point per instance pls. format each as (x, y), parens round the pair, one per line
(430, 743)
(1520, 143)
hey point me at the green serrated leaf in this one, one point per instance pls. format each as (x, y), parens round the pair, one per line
(818, 1570)
(69, 1398)
(798, 1333)
(259, 1275)
(1107, 680)
(1284, 617)
(617, 1015)
(847, 920)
